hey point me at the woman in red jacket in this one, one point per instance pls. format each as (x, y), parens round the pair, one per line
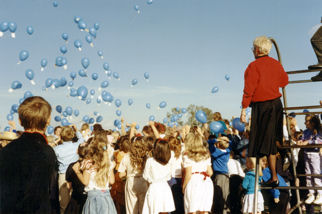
(263, 78)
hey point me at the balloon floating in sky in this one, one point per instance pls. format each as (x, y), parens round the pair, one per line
(55, 3)
(137, 9)
(148, 105)
(227, 77)
(88, 101)
(72, 75)
(134, 82)
(30, 30)
(63, 49)
(4, 26)
(64, 36)
(50, 129)
(184, 110)
(149, 2)
(89, 40)
(130, 102)
(100, 54)
(48, 82)
(73, 92)
(76, 112)
(9, 117)
(77, 19)
(163, 104)
(104, 84)
(12, 28)
(82, 92)
(237, 124)
(116, 75)
(69, 110)
(201, 116)
(92, 32)
(30, 76)
(151, 118)
(92, 92)
(146, 76)
(14, 108)
(82, 73)
(59, 108)
(118, 103)
(107, 96)
(85, 62)
(165, 120)
(97, 26)
(214, 89)
(61, 62)
(23, 55)
(118, 113)
(94, 76)
(57, 118)
(78, 44)
(216, 127)
(99, 119)
(82, 25)
(15, 85)
(106, 67)
(43, 64)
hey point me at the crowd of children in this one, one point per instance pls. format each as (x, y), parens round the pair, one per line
(171, 169)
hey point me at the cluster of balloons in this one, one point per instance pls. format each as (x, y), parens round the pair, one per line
(5, 26)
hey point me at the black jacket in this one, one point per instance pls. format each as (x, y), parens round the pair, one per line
(28, 176)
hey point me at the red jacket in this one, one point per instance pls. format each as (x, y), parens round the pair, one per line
(263, 78)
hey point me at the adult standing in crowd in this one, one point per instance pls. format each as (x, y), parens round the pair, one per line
(262, 80)
(28, 165)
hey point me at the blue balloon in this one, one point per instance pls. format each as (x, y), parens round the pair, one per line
(91, 121)
(55, 3)
(9, 117)
(96, 26)
(149, 2)
(116, 75)
(57, 118)
(305, 111)
(30, 74)
(118, 103)
(237, 124)
(12, 27)
(95, 113)
(151, 118)
(104, 84)
(69, 110)
(85, 62)
(4, 26)
(82, 73)
(98, 100)
(65, 122)
(137, 8)
(27, 94)
(70, 84)
(94, 76)
(48, 82)
(73, 92)
(65, 114)
(227, 77)
(165, 120)
(134, 82)
(173, 118)
(7, 129)
(64, 36)
(148, 105)
(88, 101)
(50, 129)
(184, 110)
(77, 19)
(179, 116)
(99, 119)
(92, 92)
(59, 109)
(177, 109)
(63, 49)
(21, 100)
(76, 112)
(146, 75)
(117, 123)
(30, 30)
(82, 92)
(82, 25)
(56, 83)
(118, 112)
(137, 127)
(216, 127)
(86, 119)
(163, 104)
(89, 39)
(72, 75)
(201, 116)
(23, 55)
(107, 97)
(106, 66)
(78, 45)
(59, 61)
(14, 108)
(130, 102)
(214, 89)
(92, 32)
(16, 85)
(100, 53)
(43, 63)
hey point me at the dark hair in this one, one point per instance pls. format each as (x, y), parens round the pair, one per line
(160, 127)
(124, 143)
(34, 113)
(57, 127)
(316, 123)
(148, 130)
(161, 151)
(67, 133)
(175, 146)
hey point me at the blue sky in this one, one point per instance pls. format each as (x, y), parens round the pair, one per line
(187, 47)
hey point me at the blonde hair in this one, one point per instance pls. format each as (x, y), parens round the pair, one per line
(195, 148)
(252, 160)
(223, 142)
(34, 113)
(138, 153)
(67, 133)
(175, 146)
(263, 44)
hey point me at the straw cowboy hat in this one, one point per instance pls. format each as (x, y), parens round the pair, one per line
(8, 136)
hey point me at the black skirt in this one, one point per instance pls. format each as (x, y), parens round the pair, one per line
(266, 128)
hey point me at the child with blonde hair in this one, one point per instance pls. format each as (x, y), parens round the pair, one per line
(197, 186)
(249, 185)
(97, 177)
(132, 166)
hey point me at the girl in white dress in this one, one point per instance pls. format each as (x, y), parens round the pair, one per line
(198, 188)
(157, 172)
(132, 166)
